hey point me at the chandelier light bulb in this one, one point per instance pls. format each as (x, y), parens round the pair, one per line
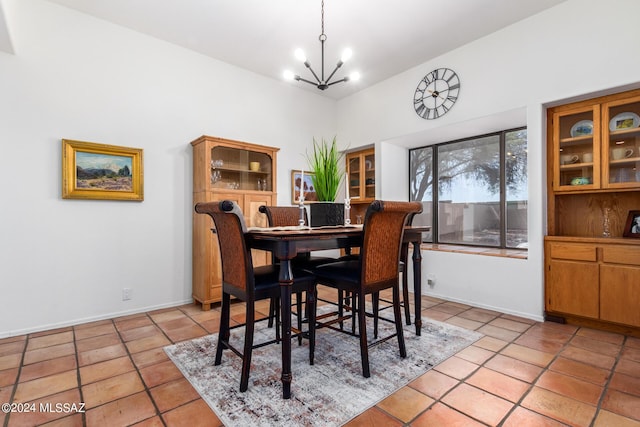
(346, 54)
(288, 75)
(300, 56)
(355, 76)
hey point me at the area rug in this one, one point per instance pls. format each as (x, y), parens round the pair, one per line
(329, 393)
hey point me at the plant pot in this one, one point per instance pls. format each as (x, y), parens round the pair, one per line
(326, 213)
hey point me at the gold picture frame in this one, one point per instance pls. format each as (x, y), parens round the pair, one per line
(99, 171)
(310, 195)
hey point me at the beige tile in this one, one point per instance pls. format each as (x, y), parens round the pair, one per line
(48, 367)
(560, 408)
(434, 384)
(499, 384)
(102, 370)
(405, 404)
(172, 394)
(491, 344)
(193, 414)
(111, 389)
(440, 415)
(529, 355)
(570, 387)
(101, 354)
(475, 354)
(609, 419)
(50, 340)
(514, 368)
(94, 331)
(456, 367)
(148, 343)
(160, 373)
(47, 353)
(374, 417)
(478, 404)
(522, 417)
(45, 386)
(122, 412)
(581, 370)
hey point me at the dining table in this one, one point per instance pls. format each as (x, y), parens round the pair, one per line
(286, 242)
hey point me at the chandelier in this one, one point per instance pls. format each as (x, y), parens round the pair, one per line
(320, 82)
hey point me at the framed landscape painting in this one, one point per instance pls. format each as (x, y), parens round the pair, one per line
(99, 171)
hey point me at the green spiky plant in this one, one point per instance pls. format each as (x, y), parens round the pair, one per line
(324, 162)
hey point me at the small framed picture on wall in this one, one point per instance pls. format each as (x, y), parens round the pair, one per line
(298, 181)
(632, 227)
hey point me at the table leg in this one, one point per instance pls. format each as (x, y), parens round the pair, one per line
(286, 280)
(417, 285)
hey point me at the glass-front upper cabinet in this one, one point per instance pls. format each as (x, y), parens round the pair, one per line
(361, 175)
(576, 157)
(240, 169)
(621, 143)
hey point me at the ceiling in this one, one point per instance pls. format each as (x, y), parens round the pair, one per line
(387, 37)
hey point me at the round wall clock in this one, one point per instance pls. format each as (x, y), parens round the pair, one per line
(436, 93)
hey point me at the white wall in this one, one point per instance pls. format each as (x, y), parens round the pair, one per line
(75, 77)
(574, 49)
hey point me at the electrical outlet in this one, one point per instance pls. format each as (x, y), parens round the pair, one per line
(431, 279)
(126, 294)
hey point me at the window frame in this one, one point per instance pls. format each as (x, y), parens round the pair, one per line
(502, 187)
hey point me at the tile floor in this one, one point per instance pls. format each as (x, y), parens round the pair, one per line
(521, 373)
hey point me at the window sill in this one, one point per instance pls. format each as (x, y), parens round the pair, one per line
(473, 250)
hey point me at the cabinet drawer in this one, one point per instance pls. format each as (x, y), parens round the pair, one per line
(621, 255)
(573, 251)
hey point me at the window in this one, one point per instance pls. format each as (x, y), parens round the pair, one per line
(481, 196)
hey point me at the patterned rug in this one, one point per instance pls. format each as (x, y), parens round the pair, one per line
(329, 393)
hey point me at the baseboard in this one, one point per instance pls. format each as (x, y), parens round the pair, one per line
(537, 318)
(17, 332)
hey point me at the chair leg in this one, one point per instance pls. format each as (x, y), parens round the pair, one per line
(223, 332)
(299, 314)
(362, 328)
(398, 320)
(311, 311)
(272, 312)
(375, 302)
(276, 308)
(341, 298)
(248, 346)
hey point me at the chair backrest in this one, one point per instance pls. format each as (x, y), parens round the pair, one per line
(237, 265)
(281, 216)
(383, 231)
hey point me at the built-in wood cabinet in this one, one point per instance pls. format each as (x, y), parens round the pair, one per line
(361, 176)
(227, 170)
(591, 271)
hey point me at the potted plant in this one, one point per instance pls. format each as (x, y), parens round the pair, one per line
(325, 163)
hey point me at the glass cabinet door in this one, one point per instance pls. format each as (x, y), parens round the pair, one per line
(236, 169)
(621, 145)
(577, 149)
(354, 177)
(369, 176)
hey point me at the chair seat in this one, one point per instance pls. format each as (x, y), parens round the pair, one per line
(345, 272)
(306, 261)
(267, 276)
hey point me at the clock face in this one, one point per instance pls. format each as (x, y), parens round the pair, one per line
(436, 93)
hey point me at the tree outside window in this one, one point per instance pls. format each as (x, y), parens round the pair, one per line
(481, 193)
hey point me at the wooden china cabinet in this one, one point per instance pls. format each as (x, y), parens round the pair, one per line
(592, 273)
(361, 176)
(233, 170)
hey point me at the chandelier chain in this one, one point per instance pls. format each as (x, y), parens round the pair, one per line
(322, 16)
